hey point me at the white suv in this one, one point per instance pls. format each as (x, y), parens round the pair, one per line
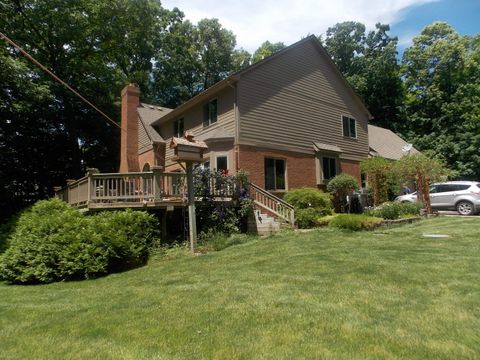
(463, 196)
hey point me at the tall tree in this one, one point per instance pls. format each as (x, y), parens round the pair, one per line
(193, 58)
(368, 61)
(266, 49)
(95, 46)
(442, 77)
(216, 48)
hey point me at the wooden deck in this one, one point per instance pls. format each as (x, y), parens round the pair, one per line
(152, 189)
(156, 190)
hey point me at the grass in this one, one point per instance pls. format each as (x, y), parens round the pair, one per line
(322, 294)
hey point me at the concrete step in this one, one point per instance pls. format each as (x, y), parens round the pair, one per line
(263, 224)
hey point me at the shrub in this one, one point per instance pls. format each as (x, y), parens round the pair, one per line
(6, 230)
(355, 222)
(53, 241)
(305, 198)
(128, 236)
(310, 204)
(341, 186)
(222, 216)
(395, 210)
(325, 220)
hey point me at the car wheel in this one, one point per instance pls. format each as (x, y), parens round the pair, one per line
(465, 208)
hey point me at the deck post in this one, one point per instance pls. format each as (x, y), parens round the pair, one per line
(90, 185)
(157, 182)
(192, 223)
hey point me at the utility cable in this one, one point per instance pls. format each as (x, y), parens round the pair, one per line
(44, 68)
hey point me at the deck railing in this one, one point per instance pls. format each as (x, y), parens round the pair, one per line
(272, 203)
(139, 187)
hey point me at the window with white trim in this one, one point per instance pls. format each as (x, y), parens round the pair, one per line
(349, 127)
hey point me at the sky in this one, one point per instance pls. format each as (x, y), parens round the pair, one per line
(255, 21)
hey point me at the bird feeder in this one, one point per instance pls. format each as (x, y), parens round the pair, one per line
(189, 151)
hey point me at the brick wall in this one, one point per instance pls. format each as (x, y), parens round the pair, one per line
(351, 167)
(155, 156)
(300, 168)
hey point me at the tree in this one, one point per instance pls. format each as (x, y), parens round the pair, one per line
(216, 46)
(378, 170)
(423, 170)
(177, 72)
(192, 58)
(267, 49)
(368, 61)
(95, 46)
(442, 78)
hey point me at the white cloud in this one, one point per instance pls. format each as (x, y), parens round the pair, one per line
(255, 21)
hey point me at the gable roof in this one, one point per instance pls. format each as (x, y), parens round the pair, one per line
(387, 144)
(148, 114)
(230, 80)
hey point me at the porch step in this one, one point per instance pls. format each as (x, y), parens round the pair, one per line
(263, 224)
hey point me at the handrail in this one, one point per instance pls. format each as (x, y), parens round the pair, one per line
(272, 203)
(138, 187)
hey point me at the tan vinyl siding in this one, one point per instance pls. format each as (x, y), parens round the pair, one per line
(144, 142)
(296, 99)
(193, 120)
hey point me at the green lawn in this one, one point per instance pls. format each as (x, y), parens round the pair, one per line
(322, 294)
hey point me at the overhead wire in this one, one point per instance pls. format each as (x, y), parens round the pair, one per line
(56, 78)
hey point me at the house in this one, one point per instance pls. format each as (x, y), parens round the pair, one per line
(290, 120)
(385, 143)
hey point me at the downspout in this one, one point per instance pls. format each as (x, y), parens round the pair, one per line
(237, 126)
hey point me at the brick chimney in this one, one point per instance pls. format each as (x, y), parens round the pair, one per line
(129, 136)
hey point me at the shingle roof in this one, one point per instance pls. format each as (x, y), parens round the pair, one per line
(148, 115)
(385, 143)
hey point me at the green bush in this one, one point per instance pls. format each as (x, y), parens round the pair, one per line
(342, 184)
(6, 230)
(128, 236)
(325, 220)
(395, 210)
(307, 218)
(355, 222)
(310, 204)
(52, 242)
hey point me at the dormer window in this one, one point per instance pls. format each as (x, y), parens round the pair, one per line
(349, 127)
(178, 127)
(210, 113)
